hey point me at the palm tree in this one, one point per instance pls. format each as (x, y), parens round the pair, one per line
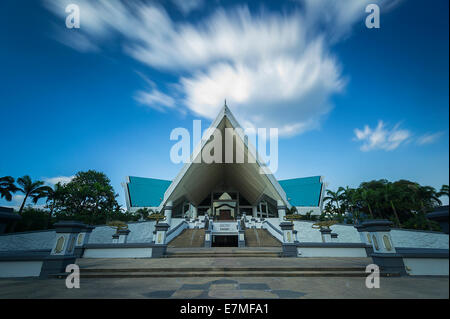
(444, 191)
(347, 197)
(30, 189)
(366, 197)
(334, 197)
(391, 193)
(51, 195)
(7, 187)
(427, 197)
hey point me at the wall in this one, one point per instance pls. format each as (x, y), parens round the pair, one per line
(27, 240)
(348, 234)
(142, 232)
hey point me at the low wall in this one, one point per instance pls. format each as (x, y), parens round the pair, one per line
(140, 232)
(349, 234)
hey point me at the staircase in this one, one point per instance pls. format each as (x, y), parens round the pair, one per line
(260, 238)
(189, 238)
(223, 252)
(224, 267)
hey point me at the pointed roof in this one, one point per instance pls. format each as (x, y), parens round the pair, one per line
(196, 179)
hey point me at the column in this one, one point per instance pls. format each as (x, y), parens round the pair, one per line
(194, 212)
(384, 254)
(281, 210)
(208, 238)
(168, 212)
(295, 236)
(159, 249)
(255, 211)
(123, 236)
(365, 238)
(326, 234)
(63, 251)
(241, 238)
(289, 246)
(83, 239)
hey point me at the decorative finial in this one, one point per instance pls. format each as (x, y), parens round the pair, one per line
(225, 102)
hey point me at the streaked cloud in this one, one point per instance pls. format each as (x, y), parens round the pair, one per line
(429, 138)
(381, 137)
(187, 6)
(274, 69)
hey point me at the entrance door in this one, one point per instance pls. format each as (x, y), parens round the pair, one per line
(225, 214)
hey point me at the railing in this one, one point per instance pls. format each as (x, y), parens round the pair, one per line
(278, 234)
(174, 232)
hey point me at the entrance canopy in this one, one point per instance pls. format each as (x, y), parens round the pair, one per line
(197, 179)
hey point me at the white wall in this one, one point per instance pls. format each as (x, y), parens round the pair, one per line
(10, 269)
(118, 253)
(426, 266)
(330, 252)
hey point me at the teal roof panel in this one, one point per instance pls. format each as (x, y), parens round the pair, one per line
(302, 191)
(146, 192)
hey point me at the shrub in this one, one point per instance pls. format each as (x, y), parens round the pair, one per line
(33, 219)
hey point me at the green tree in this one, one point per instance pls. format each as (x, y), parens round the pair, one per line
(7, 187)
(88, 197)
(30, 189)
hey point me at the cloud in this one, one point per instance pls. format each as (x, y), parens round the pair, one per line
(155, 99)
(58, 179)
(381, 138)
(274, 69)
(429, 138)
(187, 6)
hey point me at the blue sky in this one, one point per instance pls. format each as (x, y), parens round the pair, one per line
(351, 103)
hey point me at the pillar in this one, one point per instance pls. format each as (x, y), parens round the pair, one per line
(289, 246)
(82, 239)
(295, 236)
(384, 254)
(160, 247)
(154, 236)
(255, 211)
(365, 238)
(115, 238)
(281, 210)
(326, 234)
(208, 238)
(241, 238)
(194, 212)
(123, 236)
(63, 250)
(168, 212)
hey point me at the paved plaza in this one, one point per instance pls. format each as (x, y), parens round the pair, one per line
(189, 287)
(234, 288)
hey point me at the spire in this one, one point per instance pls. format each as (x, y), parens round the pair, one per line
(225, 107)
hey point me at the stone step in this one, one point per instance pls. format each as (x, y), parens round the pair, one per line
(166, 274)
(215, 255)
(223, 269)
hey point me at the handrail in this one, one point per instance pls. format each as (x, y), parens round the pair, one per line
(278, 234)
(175, 228)
(170, 235)
(276, 229)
